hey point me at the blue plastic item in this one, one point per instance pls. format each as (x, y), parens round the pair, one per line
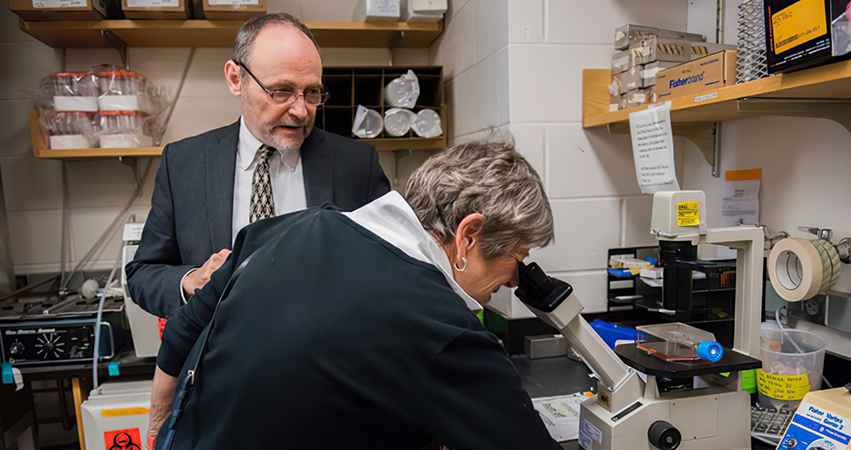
(621, 273)
(612, 333)
(8, 375)
(113, 368)
(710, 351)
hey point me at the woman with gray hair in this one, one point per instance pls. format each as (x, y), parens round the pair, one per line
(364, 321)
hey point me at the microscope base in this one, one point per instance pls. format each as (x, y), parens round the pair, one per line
(719, 421)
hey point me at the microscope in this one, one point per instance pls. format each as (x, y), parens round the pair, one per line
(643, 402)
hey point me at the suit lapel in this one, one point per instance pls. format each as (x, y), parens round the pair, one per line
(318, 167)
(221, 164)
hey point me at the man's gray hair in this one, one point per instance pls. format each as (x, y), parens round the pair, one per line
(486, 177)
(249, 30)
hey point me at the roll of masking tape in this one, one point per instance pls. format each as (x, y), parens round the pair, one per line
(800, 268)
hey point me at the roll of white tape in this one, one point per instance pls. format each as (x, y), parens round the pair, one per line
(795, 267)
(800, 269)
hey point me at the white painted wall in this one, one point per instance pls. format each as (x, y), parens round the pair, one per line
(589, 174)
(98, 189)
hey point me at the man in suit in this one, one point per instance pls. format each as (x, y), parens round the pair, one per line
(271, 162)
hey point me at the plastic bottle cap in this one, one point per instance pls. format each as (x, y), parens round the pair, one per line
(710, 351)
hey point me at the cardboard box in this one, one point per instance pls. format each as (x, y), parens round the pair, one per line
(628, 35)
(650, 71)
(802, 33)
(232, 9)
(701, 49)
(155, 9)
(37, 10)
(698, 76)
(661, 49)
(382, 11)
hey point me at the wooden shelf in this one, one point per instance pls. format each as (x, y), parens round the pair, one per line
(41, 148)
(221, 33)
(820, 92)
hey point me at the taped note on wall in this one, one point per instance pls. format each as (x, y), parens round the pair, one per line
(653, 149)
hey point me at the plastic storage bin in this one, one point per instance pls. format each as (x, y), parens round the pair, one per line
(792, 365)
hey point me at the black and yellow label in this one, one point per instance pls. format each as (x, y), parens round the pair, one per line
(688, 214)
(799, 23)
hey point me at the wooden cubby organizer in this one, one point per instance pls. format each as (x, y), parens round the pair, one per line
(823, 92)
(349, 88)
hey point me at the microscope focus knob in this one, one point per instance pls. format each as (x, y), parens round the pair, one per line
(664, 435)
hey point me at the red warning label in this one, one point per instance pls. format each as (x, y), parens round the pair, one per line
(123, 439)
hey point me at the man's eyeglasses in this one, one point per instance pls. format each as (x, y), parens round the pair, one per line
(313, 96)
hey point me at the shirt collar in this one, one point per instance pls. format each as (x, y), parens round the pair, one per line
(392, 219)
(248, 146)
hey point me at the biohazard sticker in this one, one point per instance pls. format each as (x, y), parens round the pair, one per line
(161, 323)
(123, 439)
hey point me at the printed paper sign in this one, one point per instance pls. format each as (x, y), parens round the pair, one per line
(740, 197)
(123, 439)
(653, 149)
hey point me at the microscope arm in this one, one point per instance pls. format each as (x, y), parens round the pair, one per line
(623, 385)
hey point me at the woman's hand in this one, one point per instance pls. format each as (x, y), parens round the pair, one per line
(162, 397)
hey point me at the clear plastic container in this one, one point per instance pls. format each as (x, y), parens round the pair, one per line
(367, 123)
(120, 82)
(397, 121)
(792, 365)
(71, 91)
(403, 92)
(68, 129)
(74, 84)
(118, 129)
(672, 341)
(427, 124)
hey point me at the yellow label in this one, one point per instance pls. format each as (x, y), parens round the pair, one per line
(688, 214)
(782, 387)
(797, 24)
(117, 412)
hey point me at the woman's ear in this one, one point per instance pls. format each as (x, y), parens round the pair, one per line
(468, 233)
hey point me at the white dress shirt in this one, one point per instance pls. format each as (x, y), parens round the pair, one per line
(287, 183)
(286, 175)
(392, 219)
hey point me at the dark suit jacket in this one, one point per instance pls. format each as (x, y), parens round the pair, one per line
(192, 205)
(381, 354)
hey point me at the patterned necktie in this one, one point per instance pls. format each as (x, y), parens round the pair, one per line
(262, 203)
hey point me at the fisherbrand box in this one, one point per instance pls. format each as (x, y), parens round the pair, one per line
(698, 76)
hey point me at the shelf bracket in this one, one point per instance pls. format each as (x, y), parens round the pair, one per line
(837, 110)
(117, 44)
(705, 135)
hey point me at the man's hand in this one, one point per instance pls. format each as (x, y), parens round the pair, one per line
(162, 397)
(199, 278)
